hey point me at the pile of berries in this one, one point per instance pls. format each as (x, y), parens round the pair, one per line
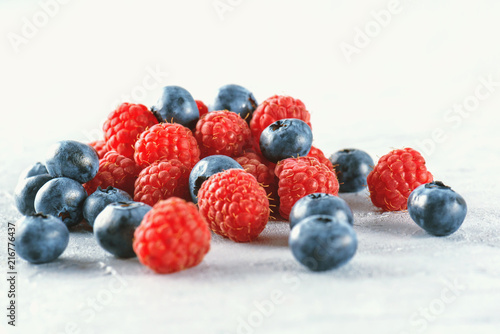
(163, 177)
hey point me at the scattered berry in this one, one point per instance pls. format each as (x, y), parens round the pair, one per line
(207, 167)
(72, 159)
(124, 125)
(172, 236)
(25, 192)
(302, 176)
(286, 138)
(36, 169)
(222, 132)
(202, 108)
(99, 199)
(161, 180)
(41, 238)
(115, 226)
(320, 204)
(101, 147)
(115, 170)
(176, 105)
(167, 141)
(321, 243)
(273, 109)
(352, 167)
(318, 154)
(437, 209)
(395, 176)
(237, 99)
(234, 204)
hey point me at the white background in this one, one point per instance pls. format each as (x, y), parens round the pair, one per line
(66, 75)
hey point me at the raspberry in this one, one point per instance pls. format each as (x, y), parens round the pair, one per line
(202, 108)
(234, 204)
(299, 177)
(222, 132)
(167, 141)
(161, 180)
(172, 236)
(115, 170)
(273, 109)
(395, 176)
(318, 154)
(264, 173)
(101, 147)
(124, 125)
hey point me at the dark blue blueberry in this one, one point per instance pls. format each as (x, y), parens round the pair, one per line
(36, 169)
(41, 238)
(72, 159)
(320, 204)
(99, 199)
(176, 105)
(26, 190)
(437, 208)
(321, 243)
(237, 99)
(286, 138)
(207, 167)
(63, 198)
(352, 167)
(114, 227)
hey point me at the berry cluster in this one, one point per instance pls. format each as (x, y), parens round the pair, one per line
(238, 162)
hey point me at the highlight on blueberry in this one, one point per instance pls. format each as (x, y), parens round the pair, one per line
(207, 167)
(36, 169)
(352, 167)
(176, 105)
(320, 204)
(437, 208)
(286, 138)
(99, 199)
(41, 238)
(320, 242)
(114, 227)
(26, 190)
(72, 159)
(237, 99)
(62, 197)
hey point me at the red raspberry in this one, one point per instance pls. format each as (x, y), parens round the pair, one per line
(222, 132)
(264, 173)
(273, 109)
(395, 176)
(299, 177)
(161, 180)
(101, 147)
(234, 204)
(172, 236)
(318, 154)
(114, 170)
(202, 108)
(167, 141)
(124, 125)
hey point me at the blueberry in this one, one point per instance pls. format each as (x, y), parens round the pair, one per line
(99, 199)
(207, 167)
(25, 192)
(237, 99)
(72, 159)
(114, 227)
(176, 105)
(436, 208)
(41, 238)
(321, 243)
(352, 167)
(62, 197)
(286, 138)
(33, 170)
(320, 204)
